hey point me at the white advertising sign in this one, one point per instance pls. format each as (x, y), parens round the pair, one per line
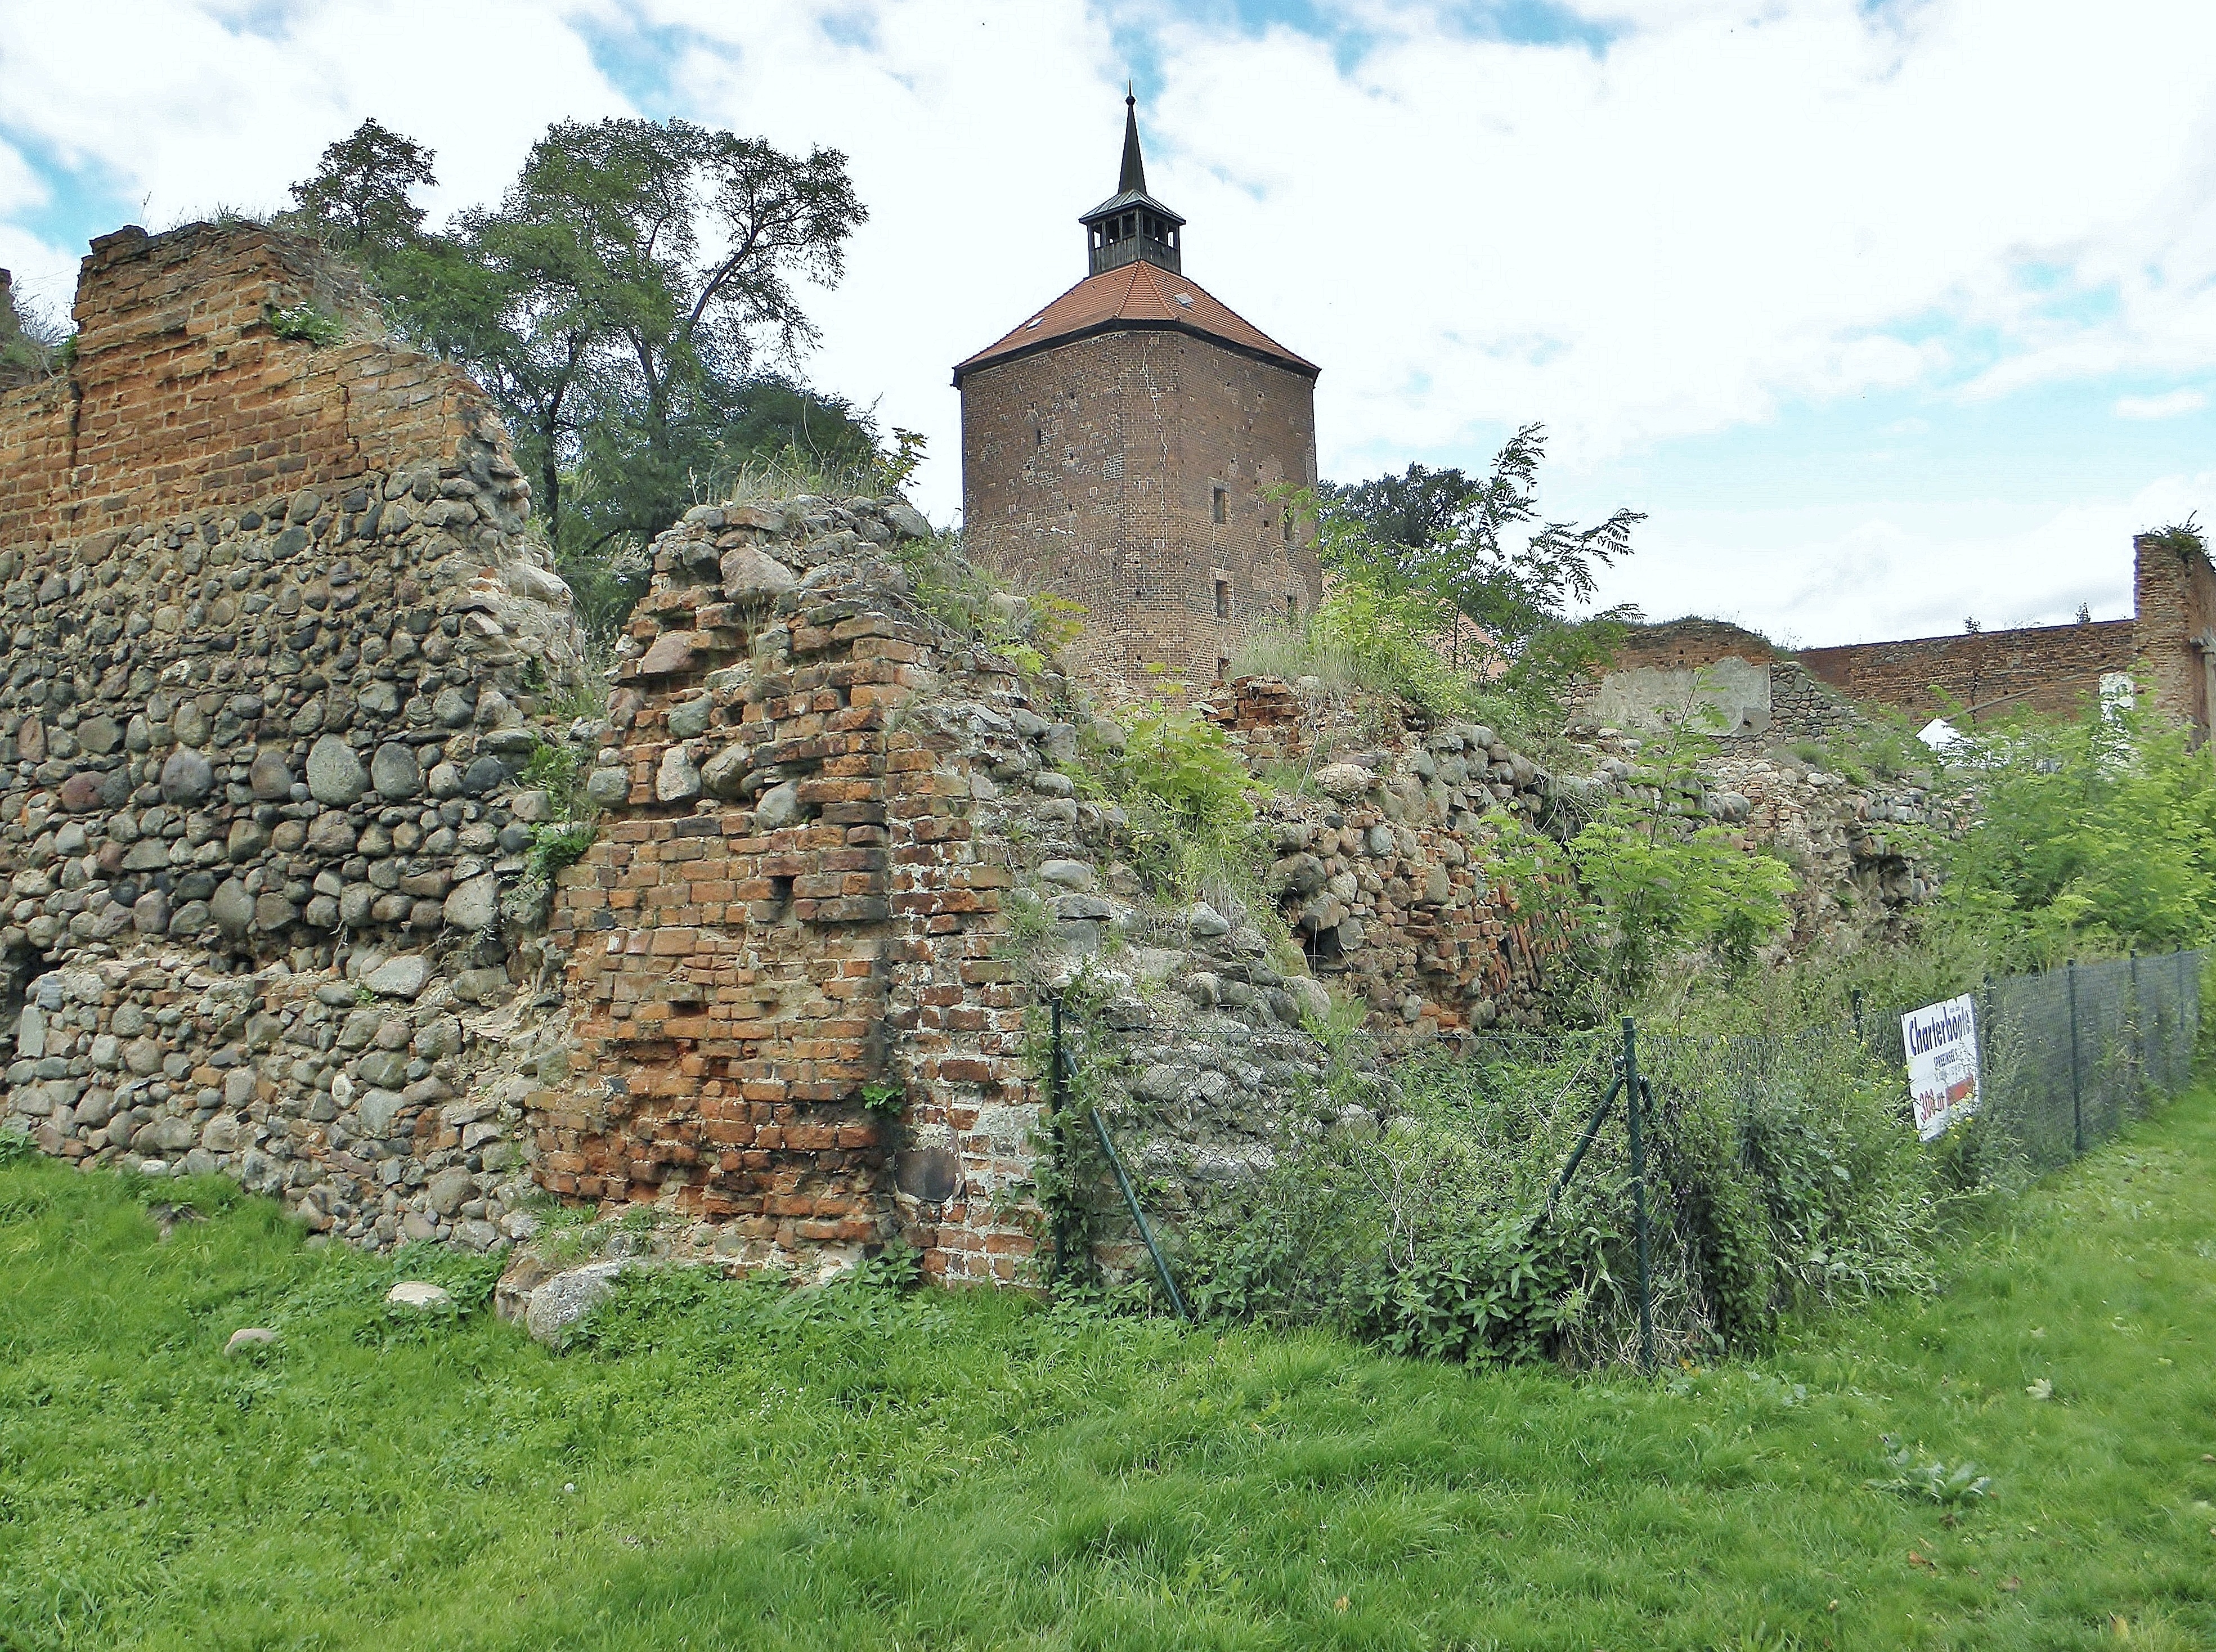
(1942, 1040)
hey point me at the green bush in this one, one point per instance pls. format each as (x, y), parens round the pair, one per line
(308, 322)
(1182, 759)
(2092, 837)
(1779, 1175)
(1395, 642)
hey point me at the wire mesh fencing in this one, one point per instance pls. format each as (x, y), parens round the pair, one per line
(1757, 1170)
(2069, 1058)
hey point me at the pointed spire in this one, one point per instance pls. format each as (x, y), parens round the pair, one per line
(1131, 224)
(1134, 165)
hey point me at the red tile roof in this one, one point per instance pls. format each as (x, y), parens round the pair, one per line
(1137, 296)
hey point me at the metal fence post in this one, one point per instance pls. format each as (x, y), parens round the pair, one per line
(2137, 1022)
(2076, 1083)
(1054, 1096)
(1985, 1030)
(1633, 1107)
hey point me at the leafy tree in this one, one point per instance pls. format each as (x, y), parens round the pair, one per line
(1413, 509)
(1446, 589)
(629, 302)
(357, 201)
(30, 346)
(659, 257)
(1480, 544)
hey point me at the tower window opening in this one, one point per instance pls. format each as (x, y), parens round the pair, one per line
(1219, 504)
(1222, 599)
(1222, 669)
(1292, 609)
(1286, 523)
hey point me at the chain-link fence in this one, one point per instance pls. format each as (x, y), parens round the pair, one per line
(2069, 1057)
(1756, 1169)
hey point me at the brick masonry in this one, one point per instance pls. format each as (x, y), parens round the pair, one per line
(1091, 470)
(786, 915)
(2051, 669)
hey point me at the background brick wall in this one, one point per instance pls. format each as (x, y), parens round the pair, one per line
(1691, 643)
(1088, 470)
(2051, 669)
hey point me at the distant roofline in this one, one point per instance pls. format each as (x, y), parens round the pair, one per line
(1994, 634)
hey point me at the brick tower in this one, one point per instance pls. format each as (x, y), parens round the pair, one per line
(1119, 449)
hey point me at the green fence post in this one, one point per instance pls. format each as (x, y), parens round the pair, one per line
(2076, 1084)
(1632, 1106)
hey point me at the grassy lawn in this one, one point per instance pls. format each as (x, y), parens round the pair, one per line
(867, 1471)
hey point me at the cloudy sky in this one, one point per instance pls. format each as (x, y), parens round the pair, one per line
(1889, 312)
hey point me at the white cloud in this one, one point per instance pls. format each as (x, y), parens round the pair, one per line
(2172, 404)
(1861, 575)
(1735, 209)
(186, 107)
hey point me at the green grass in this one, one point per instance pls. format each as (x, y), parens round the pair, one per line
(728, 1469)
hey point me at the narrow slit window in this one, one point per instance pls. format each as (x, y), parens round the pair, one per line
(1222, 669)
(1286, 523)
(1219, 504)
(1223, 599)
(1292, 609)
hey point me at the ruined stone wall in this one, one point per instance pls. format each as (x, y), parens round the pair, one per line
(270, 623)
(1091, 471)
(2051, 669)
(788, 918)
(2174, 595)
(847, 852)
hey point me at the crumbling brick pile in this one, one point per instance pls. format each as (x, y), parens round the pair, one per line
(784, 941)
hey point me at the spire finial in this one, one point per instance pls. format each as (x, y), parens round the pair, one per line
(1134, 165)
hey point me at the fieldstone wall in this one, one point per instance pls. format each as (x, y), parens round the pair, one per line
(272, 624)
(276, 640)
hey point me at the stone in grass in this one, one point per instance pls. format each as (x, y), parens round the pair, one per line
(1314, 1002)
(559, 1303)
(250, 1339)
(418, 1294)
